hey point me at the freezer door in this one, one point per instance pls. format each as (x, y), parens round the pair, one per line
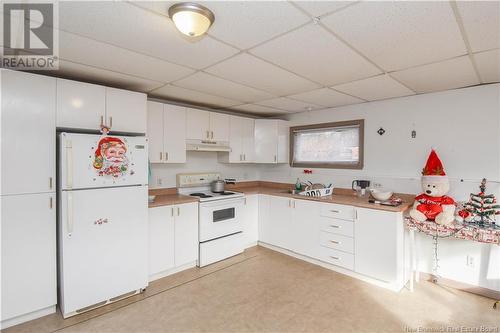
(103, 245)
(92, 161)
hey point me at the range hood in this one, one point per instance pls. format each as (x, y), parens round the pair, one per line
(202, 145)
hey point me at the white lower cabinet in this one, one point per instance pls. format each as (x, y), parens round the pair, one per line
(379, 245)
(186, 234)
(367, 242)
(173, 238)
(250, 213)
(28, 255)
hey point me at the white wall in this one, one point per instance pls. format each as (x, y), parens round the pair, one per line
(463, 125)
(164, 175)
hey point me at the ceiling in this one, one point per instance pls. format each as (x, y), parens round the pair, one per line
(273, 58)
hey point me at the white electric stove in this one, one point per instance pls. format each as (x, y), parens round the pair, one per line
(220, 222)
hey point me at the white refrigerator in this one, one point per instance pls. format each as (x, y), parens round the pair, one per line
(102, 222)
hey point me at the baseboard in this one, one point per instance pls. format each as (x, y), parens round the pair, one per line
(27, 317)
(386, 285)
(174, 270)
(481, 291)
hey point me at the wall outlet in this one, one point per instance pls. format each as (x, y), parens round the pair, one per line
(377, 185)
(470, 261)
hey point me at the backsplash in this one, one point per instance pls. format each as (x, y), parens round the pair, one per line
(164, 175)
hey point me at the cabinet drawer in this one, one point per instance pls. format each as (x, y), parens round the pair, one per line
(335, 257)
(337, 242)
(338, 211)
(337, 226)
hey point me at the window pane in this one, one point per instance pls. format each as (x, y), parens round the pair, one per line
(328, 145)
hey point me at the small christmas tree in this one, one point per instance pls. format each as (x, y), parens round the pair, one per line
(481, 208)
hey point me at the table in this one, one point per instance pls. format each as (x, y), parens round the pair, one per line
(465, 231)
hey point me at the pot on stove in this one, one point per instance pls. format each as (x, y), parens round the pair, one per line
(217, 186)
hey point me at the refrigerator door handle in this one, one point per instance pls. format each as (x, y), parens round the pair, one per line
(69, 219)
(69, 164)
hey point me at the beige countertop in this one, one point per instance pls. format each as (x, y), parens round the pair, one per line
(165, 197)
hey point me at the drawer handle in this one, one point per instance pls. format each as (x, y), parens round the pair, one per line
(336, 258)
(334, 242)
(335, 226)
(334, 211)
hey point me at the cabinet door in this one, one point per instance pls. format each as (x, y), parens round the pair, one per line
(28, 254)
(281, 223)
(186, 233)
(283, 139)
(155, 132)
(378, 244)
(125, 110)
(80, 105)
(305, 227)
(28, 133)
(265, 229)
(161, 239)
(235, 140)
(197, 124)
(247, 139)
(219, 127)
(251, 220)
(174, 133)
(266, 141)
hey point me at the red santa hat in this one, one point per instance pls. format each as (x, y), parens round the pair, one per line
(433, 170)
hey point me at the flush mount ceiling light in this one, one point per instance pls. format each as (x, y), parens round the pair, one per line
(191, 18)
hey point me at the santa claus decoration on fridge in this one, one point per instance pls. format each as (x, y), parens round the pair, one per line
(110, 157)
(434, 204)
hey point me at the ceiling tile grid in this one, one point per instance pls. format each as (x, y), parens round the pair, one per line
(254, 72)
(211, 84)
(245, 24)
(488, 65)
(326, 97)
(375, 88)
(127, 26)
(481, 20)
(448, 74)
(271, 58)
(290, 105)
(320, 8)
(314, 53)
(182, 94)
(400, 34)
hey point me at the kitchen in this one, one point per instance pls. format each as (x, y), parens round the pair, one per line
(167, 191)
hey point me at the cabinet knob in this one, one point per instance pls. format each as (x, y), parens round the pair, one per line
(161, 156)
(50, 183)
(102, 121)
(335, 226)
(166, 156)
(274, 158)
(336, 258)
(110, 121)
(334, 242)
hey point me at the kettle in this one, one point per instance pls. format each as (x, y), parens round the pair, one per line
(360, 186)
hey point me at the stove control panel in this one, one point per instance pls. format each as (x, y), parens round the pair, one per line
(196, 179)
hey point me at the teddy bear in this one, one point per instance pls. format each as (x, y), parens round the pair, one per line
(434, 204)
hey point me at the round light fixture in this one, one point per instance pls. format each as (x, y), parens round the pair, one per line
(191, 18)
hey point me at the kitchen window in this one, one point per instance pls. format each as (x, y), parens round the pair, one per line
(337, 145)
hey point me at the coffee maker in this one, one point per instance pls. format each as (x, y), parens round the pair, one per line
(360, 186)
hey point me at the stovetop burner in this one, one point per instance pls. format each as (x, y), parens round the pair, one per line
(201, 195)
(226, 193)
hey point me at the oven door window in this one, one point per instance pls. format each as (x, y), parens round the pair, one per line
(223, 214)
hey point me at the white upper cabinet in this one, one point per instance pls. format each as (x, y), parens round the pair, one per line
(88, 106)
(28, 133)
(204, 125)
(197, 124)
(241, 141)
(80, 105)
(271, 141)
(174, 133)
(154, 131)
(219, 127)
(125, 110)
(166, 132)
